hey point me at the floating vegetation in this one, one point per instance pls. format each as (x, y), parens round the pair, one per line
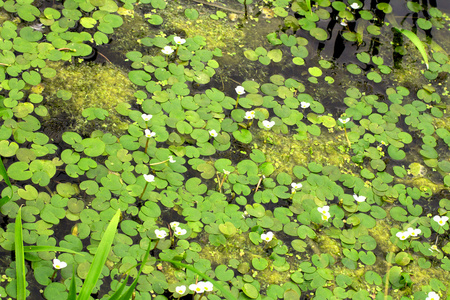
(172, 149)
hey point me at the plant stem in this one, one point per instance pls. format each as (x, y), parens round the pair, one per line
(146, 146)
(221, 183)
(245, 9)
(53, 276)
(259, 183)
(386, 284)
(146, 184)
(158, 163)
(346, 137)
(237, 100)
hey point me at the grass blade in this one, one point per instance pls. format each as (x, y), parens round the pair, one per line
(216, 284)
(73, 287)
(130, 290)
(416, 41)
(100, 258)
(119, 291)
(308, 4)
(20, 258)
(49, 248)
(8, 182)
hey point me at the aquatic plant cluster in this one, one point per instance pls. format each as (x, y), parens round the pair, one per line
(325, 179)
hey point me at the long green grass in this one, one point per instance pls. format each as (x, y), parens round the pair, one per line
(20, 258)
(100, 257)
(416, 41)
(8, 182)
(94, 272)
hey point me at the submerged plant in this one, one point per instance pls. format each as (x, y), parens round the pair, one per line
(416, 41)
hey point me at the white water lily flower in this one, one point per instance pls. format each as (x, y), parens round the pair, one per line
(180, 231)
(207, 286)
(267, 236)
(432, 296)
(171, 160)
(160, 234)
(414, 232)
(402, 235)
(323, 209)
(198, 288)
(148, 133)
(355, 5)
(359, 198)
(226, 172)
(326, 216)
(174, 224)
(180, 289)
(441, 220)
(344, 121)
(179, 41)
(249, 115)
(146, 117)
(296, 186)
(213, 133)
(304, 104)
(58, 264)
(240, 90)
(167, 50)
(268, 124)
(344, 22)
(149, 177)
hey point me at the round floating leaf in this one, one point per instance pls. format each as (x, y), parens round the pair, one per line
(223, 273)
(250, 291)
(191, 13)
(424, 24)
(259, 263)
(244, 136)
(367, 258)
(319, 33)
(155, 20)
(88, 22)
(315, 71)
(93, 146)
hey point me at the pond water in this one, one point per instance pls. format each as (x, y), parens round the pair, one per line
(302, 147)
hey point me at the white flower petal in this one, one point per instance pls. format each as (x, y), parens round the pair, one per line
(58, 264)
(268, 124)
(180, 289)
(402, 235)
(249, 115)
(149, 177)
(359, 198)
(267, 236)
(304, 104)
(146, 117)
(240, 90)
(179, 41)
(167, 50)
(160, 234)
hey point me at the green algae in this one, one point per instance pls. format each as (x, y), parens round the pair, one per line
(329, 245)
(382, 234)
(91, 86)
(218, 33)
(284, 152)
